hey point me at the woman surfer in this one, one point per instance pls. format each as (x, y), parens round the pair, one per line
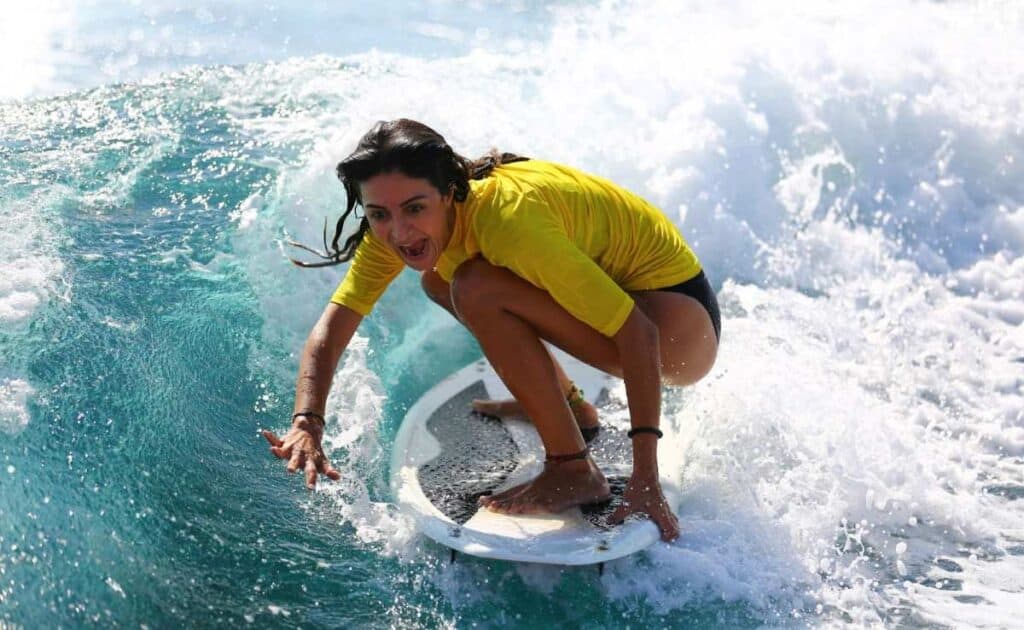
(519, 251)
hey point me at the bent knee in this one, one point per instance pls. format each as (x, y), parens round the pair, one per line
(691, 358)
(436, 288)
(689, 371)
(473, 286)
(687, 339)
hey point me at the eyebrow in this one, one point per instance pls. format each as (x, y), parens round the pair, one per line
(407, 201)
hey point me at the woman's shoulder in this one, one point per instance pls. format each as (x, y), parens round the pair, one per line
(532, 166)
(515, 187)
(526, 178)
(510, 185)
(550, 176)
(498, 204)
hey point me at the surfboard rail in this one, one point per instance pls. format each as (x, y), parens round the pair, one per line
(443, 460)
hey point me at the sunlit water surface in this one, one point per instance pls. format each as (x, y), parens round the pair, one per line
(852, 177)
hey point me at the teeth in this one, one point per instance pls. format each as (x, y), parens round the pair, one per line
(414, 251)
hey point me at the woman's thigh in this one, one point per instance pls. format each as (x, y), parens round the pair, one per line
(686, 336)
(687, 340)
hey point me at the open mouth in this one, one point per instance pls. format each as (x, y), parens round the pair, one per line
(415, 250)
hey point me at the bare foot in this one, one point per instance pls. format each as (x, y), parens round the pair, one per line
(584, 412)
(560, 486)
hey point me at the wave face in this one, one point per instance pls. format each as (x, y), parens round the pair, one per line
(851, 175)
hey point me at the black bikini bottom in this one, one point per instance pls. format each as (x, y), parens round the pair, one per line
(700, 289)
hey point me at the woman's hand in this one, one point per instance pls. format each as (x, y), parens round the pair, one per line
(326, 342)
(301, 447)
(643, 496)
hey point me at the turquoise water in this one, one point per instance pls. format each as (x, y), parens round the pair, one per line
(140, 491)
(850, 176)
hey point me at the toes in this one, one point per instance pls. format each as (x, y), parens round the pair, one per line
(501, 496)
(489, 500)
(525, 506)
(523, 503)
(506, 502)
(513, 506)
(496, 506)
(507, 494)
(499, 408)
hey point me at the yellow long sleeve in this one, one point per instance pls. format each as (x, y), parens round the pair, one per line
(581, 238)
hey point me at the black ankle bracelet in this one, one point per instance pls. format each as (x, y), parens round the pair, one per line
(653, 430)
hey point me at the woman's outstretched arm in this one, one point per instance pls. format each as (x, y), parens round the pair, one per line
(301, 446)
(639, 356)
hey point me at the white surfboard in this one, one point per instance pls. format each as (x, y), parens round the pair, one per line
(445, 457)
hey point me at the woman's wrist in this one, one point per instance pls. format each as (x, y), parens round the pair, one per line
(309, 420)
(645, 453)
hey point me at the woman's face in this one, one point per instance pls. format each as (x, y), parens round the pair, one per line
(410, 216)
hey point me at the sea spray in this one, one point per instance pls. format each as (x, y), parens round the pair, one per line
(850, 175)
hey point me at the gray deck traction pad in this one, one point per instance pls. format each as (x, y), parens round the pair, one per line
(478, 454)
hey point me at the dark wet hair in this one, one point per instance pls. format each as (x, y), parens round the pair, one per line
(413, 149)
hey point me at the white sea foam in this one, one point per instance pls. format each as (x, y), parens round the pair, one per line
(851, 175)
(355, 410)
(30, 276)
(14, 397)
(29, 270)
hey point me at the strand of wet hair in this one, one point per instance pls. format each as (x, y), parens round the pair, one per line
(480, 168)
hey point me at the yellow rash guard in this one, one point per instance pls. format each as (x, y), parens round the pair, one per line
(581, 238)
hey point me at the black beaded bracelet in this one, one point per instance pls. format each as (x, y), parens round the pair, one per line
(653, 430)
(310, 414)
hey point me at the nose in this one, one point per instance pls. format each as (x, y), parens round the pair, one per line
(400, 228)
(397, 228)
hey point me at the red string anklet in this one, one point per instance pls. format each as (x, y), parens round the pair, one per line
(557, 459)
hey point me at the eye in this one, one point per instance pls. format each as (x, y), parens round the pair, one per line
(415, 208)
(377, 215)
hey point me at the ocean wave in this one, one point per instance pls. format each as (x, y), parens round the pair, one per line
(849, 174)
(855, 190)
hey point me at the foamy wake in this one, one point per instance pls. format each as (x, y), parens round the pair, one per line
(355, 406)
